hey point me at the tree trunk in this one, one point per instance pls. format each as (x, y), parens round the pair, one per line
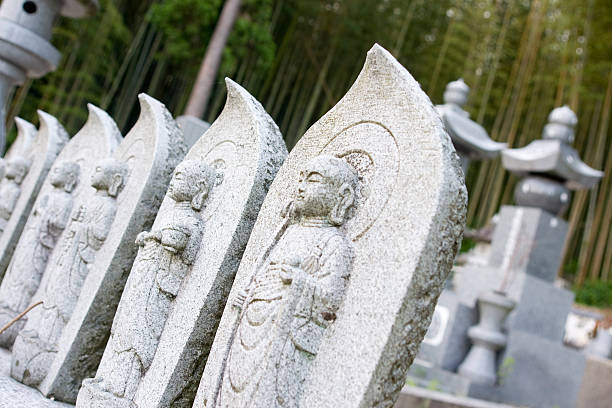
(210, 65)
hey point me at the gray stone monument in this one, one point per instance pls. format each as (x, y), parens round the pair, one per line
(26, 132)
(470, 139)
(152, 149)
(49, 141)
(192, 128)
(25, 50)
(16, 170)
(347, 258)
(2, 168)
(176, 293)
(523, 361)
(66, 183)
(550, 166)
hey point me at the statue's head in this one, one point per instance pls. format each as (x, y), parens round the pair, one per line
(17, 169)
(327, 188)
(456, 92)
(192, 181)
(110, 175)
(65, 175)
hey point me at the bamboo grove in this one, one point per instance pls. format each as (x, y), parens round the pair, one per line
(298, 57)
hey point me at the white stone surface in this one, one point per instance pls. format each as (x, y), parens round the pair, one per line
(22, 146)
(152, 149)
(13, 394)
(49, 141)
(349, 289)
(245, 149)
(67, 181)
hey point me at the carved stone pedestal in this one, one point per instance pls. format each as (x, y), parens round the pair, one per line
(487, 338)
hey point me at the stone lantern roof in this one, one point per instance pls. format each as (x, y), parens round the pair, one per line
(470, 139)
(553, 155)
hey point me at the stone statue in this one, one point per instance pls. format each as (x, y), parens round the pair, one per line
(16, 170)
(2, 168)
(44, 227)
(295, 292)
(85, 234)
(166, 256)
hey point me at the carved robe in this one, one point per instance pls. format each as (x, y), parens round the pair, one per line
(27, 266)
(36, 345)
(281, 325)
(9, 194)
(157, 275)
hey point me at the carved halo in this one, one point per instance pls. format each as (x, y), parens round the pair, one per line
(371, 149)
(223, 158)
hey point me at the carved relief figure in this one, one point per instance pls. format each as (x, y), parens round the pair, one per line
(85, 234)
(16, 170)
(294, 295)
(165, 257)
(45, 225)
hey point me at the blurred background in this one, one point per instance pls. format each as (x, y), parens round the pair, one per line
(298, 58)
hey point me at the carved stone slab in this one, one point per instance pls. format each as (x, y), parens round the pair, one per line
(348, 256)
(71, 173)
(49, 141)
(245, 149)
(152, 149)
(26, 132)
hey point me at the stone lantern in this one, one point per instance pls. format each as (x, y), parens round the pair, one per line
(470, 139)
(25, 48)
(550, 167)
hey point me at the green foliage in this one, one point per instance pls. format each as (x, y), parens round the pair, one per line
(596, 293)
(467, 244)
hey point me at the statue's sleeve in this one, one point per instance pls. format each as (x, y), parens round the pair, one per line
(101, 225)
(195, 240)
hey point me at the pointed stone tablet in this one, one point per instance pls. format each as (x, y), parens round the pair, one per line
(244, 149)
(26, 132)
(347, 258)
(68, 179)
(150, 151)
(48, 143)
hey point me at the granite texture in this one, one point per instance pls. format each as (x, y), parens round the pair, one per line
(48, 143)
(374, 262)
(26, 133)
(13, 394)
(243, 150)
(151, 151)
(67, 181)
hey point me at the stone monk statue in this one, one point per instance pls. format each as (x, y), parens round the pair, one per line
(90, 223)
(296, 290)
(166, 256)
(44, 227)
(10, 190)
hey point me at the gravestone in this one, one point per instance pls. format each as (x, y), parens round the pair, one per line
(347, 258)
(26, 132)
(2, 168)
(234, 162)
(48, 143)
(152, 149)
(67, 181)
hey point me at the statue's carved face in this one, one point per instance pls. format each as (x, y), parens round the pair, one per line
(64, 175)
(17, 169)
(324, 184)
(110, 175)
(192, 181)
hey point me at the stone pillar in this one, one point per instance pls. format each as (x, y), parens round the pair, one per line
(25, 50)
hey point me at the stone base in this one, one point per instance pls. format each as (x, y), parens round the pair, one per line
(92, 394)
(412, 397)
(15, 395)
(535, 372)
(427, 377)
(446, 343)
